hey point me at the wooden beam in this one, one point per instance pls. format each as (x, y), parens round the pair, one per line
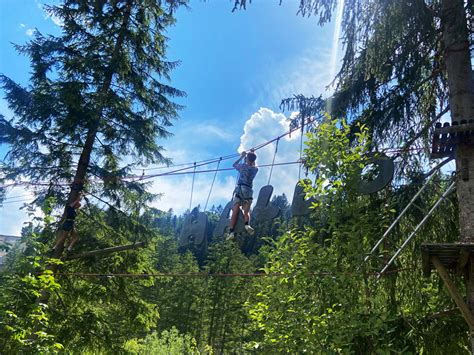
(464, 255)
(454, 293)
(106, 251)
(425, 261)
(465, 127)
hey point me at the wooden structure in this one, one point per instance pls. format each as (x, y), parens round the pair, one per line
(446, 137)
(457, 257)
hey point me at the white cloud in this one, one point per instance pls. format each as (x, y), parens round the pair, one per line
(265, 125)
(28, 31)
(262, 126)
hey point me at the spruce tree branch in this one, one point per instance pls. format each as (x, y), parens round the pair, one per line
(91, 216)
(132, 219)
(106, 251)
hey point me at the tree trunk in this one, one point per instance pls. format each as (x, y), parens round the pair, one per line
(86, 153)
(461, 101)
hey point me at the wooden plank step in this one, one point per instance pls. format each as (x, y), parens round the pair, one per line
(446, 137)
(452, 255)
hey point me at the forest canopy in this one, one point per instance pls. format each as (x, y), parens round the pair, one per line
(143, 280)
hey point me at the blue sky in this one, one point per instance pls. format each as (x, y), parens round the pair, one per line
(235, 69)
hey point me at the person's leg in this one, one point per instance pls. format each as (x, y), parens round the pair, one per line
(235, 216)
(60, 239)
(246, 210)
(73, 239)
(233, 220)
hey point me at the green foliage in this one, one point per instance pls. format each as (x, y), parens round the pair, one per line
(207, 308)
(100, 91)
(25, 326)
(331, 156)
(327, 299)
(168, 342)
(226, 321)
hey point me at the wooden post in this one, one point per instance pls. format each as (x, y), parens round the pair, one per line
(455, 295)
(464, 257)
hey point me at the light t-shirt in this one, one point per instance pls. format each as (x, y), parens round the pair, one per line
(247, 174)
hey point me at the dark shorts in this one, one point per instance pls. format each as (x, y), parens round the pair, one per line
(68, 226)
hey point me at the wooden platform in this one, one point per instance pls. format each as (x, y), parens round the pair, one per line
(453, 256)
(446, 137)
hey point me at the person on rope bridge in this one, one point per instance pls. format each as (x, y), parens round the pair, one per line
(243, 193)
(67, 224)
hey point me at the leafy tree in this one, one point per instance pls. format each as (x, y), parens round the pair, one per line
(179, 297)
(327, 299)
(208, 308)
(25, 325)
(226, 321)
(168, 342)
(406, 64)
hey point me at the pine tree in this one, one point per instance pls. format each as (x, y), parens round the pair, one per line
(98, 98)
(98, 95)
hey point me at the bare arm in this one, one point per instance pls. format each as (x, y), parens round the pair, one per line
(242, 155)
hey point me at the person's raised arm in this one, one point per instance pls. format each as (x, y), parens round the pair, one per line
(242, 155)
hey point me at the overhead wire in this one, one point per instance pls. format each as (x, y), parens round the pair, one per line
(173, 172)
(19, 196)
(276, 164)
(223, 275)
(196, 164)
(192, 188)
(188, 166)
(16, 201)
(230, 156)
(169, 173)
(147, 177)
(273, 162)
(212, 185)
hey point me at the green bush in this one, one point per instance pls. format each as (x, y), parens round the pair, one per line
(169, 342)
